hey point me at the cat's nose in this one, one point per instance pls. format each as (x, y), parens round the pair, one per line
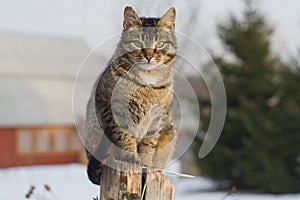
(148, 57)
(148, 53)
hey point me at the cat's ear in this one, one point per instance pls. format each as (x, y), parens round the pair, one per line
(168, 19)
(131, 19)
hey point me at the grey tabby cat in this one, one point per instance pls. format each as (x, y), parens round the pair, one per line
(129, 114)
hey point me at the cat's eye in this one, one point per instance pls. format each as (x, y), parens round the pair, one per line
(138, 44)
(159, 44)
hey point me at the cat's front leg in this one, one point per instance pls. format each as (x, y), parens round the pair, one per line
(146, 149)
(126, 145)
(165, 146)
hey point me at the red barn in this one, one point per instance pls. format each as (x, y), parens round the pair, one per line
(38, 145)
(36, 82)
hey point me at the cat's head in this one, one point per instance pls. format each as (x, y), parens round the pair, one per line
(149, 42)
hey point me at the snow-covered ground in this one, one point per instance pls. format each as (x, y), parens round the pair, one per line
(70, 182)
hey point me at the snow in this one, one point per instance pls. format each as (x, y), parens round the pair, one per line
(71, 182)
(65, 181)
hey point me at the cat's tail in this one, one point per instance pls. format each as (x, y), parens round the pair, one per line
(94, 169)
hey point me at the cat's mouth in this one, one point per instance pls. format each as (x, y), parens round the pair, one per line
(148, 65)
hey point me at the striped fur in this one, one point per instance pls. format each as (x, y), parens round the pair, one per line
(130, 106)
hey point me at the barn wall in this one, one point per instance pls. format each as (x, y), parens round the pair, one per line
(10, 156)
(7, 147)
(46, 159)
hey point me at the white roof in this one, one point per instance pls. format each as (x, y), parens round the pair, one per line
(36, 79)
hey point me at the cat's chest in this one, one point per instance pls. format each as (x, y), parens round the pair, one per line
(150, 80)
(147, 95)
(148, 109)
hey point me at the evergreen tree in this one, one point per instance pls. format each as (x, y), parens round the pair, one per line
(259, 147)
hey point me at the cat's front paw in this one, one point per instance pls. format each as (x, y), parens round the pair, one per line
(146, 160)
(129, 157)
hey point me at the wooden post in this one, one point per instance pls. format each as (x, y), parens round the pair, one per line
(159, 187)
(128, 184)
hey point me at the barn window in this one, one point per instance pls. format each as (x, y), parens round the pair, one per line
(61, 140)
(75, 142)
(43, 143)
(25, 141)
(47, 140)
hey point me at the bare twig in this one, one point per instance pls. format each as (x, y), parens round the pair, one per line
(230, 192)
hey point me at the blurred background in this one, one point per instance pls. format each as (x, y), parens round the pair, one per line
(255, 45)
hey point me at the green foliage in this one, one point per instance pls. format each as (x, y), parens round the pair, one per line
(259, 148)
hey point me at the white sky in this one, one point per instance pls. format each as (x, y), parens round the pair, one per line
(95, 21)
